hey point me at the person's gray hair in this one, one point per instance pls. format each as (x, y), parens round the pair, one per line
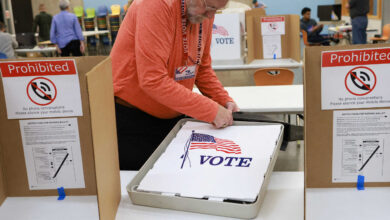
(64, 4)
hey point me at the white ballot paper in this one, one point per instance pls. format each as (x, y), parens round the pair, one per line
(52, 153)
(218, 164)
(272, 46)
(361, 145)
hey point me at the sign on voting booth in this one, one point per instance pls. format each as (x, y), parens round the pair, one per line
(347, 125)
(275, 36)
(347, 131)
(37, 89)
(57, 129)
(227, 45)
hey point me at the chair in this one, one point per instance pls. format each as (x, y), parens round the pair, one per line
(306, 42)
(115, 9)
(104, 46)
(79, 12)
(273, 76)
(385, 35)
(90, 12)
(3, 56)
(102, 11)
(89, 24)
(125, 7)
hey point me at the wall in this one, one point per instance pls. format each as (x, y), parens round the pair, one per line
(275, 7)
(385, 12)
(96, 3)
(52, 6)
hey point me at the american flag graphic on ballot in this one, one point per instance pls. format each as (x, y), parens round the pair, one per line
(205, 142)
(217, 29)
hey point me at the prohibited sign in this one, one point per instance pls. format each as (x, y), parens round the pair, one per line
(41, 91)
(360, 81)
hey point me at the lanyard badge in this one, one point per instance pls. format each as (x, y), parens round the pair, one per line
(185, 71)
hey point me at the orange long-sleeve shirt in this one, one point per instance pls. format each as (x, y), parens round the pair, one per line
(147, 51)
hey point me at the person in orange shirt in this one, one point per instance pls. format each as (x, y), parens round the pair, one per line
(162, 50)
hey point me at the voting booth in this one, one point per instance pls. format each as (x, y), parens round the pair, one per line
(347, 126)
(228, 44)
(57, 131)
(272, 37)
(214, 172)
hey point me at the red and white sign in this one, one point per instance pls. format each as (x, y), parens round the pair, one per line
(40, 89)
(273, 25)
(355, 78)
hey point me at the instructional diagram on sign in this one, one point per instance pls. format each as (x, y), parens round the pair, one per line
(361, 145)
(41, 89)
(355, 79)
(52, 153)
(272, 46)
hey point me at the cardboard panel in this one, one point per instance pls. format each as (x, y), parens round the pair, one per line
(3, 192)
(104, 137)
(294, 42)
(319, 123)
(11, 141)
(290, 41)
(252, 21)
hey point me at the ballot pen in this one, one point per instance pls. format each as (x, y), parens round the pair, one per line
(62, 163)
(372, 154)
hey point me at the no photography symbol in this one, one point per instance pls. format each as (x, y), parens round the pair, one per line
(41, 91)
(360, 81)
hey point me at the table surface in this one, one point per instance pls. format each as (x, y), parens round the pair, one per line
(344, 28)
(48, 208)
(268, 99)
(36, 49)
(348, 203)
(285, 192)
(263, 63)
(95, 32)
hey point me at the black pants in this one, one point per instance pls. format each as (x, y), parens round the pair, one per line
(319, 39)
(139, 134)
(73, 48)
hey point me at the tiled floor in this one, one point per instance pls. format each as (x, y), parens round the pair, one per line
(291, 159)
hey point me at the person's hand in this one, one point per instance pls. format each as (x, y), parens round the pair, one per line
(232, 106)
(58, 49)
(224, 118)
(82, 47)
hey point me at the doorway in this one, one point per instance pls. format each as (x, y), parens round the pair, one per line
(23, 17)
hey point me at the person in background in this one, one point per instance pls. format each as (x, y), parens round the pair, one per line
(66, 32)
(258, 4)
(43, 22)
(358, 10)
(312, 29)
(161, 52)
(7, 43)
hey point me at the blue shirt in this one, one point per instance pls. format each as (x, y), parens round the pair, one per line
(65, 28)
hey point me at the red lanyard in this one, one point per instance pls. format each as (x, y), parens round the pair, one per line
(185, 39)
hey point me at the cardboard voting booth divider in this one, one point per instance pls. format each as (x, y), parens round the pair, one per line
(335, 161)
(96, 125)
(227, 45)
(269, 36)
